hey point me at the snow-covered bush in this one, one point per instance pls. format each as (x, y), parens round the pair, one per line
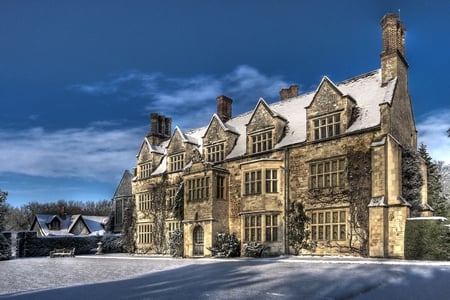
(176, 243)
(5, 247)
(226, 245)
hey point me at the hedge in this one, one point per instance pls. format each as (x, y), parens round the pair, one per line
(29, 244)
(427, 238)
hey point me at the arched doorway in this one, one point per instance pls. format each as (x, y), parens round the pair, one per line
(198, 239)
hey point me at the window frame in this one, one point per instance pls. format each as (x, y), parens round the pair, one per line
(197, 188)
(221, 187)
(262, 227)
(145, 170)
(145, 233)
(327, 173)
(253, 182)
(325, 127)
(329, 225)
(176, 162)
(261, 180)
(261, 141)
(215, 152)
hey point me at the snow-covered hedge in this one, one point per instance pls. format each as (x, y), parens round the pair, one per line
(5, 245)
(29, 244)
(427, 238)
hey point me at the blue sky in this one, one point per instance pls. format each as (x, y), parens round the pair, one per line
(78, 79)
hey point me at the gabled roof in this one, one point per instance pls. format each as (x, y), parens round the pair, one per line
(366, 90)
(95, 224)
(224, 126)
(262, 102)
(124, 187)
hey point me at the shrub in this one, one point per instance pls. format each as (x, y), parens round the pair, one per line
(176, 243)
(427, 239)
(226, 245)
(5, 247)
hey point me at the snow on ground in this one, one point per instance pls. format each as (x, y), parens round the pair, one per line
(134, 277)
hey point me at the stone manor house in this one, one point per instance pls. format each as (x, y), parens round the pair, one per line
(337, 150)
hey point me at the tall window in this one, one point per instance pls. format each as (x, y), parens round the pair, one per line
(327, 173)
(144, 233)
(271, 181)
(144, 201)
(176, 162)
(197, 189)
(220, 187)
(172, 226)
(257, 227)
(171, 192)
(261, 142)
(329, 225)
(145, 170)
(215, 152)
(271, 227)
(253, 228)
(326, 127)
(252, 182)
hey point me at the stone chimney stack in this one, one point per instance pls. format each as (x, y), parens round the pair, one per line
(224, 107)
(160, 128)
(393, 61)
(290, 92)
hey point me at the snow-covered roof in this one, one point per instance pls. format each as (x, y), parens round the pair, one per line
(366, 90)
(95, 224)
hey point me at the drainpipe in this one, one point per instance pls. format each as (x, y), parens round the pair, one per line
(286, 199)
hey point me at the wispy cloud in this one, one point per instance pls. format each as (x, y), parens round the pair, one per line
(433, 133)
(78, 152)
(177, 95)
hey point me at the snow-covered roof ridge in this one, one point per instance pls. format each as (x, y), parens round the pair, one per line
(224, 126)
(366, 90)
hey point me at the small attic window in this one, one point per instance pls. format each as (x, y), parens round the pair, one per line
(261, 141)
(176, 162)
(55, 224)
(216, 152)
(327, 126)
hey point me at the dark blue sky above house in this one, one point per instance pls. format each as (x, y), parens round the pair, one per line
(78, 79)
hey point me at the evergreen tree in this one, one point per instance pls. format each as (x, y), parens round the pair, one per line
(4, 243)
(412, 181)
(298, 233)
(436, 197)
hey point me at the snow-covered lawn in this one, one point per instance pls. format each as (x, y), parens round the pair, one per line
(124, 277)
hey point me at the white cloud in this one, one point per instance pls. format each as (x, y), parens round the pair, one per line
(78, 152)
(190, 101)
(244, 84)
(433, 133)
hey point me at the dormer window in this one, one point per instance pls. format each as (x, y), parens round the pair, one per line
(176, 162)
(55, 224)
(215, 152)
(327, 126)
(261, 141)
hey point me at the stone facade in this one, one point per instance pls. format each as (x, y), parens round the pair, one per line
(338, 150)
